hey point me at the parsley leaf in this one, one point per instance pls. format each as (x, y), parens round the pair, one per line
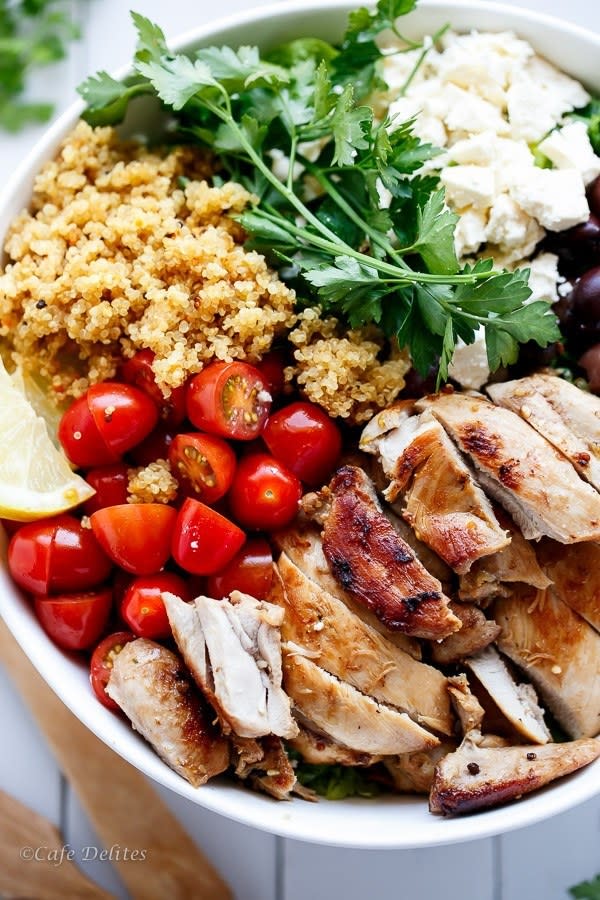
(586, 890)
(364, 25)
(590, 115)
(336, 782)
(349, 126)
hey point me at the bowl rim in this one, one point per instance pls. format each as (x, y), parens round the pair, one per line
(563, 795)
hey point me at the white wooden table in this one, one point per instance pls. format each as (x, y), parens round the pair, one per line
(536, 863)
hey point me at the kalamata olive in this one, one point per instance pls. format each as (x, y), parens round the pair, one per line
(593, 195)
(578, 248)
(416, 385)
(582, 325)
(533, 357)
(590, 362)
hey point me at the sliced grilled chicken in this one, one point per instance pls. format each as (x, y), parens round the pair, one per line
(343, 645)
(476, 633)
(434, 564)
(559, 652)
(469, 710)
(565, 415)
(319, 750)
(575, 571)
(518, 702)
(376, 567)
(233, 650)
(412, 773)
(535, 483)
(345, 715)
(475, 777)
(493, 576)
(273, 773)
(441, 500)
(150, 684)
(304, 546)
(384, 435)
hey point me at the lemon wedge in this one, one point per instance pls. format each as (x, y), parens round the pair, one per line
(36, 479)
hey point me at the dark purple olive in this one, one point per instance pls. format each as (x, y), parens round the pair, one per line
(590, 362)
(593, 195)
(532, 357)
(416, 385)
(578, 248)
(582, 322)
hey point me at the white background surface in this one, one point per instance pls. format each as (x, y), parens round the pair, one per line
(537, 863)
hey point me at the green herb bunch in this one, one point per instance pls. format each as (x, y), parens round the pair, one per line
(324, 222)
(32, 33)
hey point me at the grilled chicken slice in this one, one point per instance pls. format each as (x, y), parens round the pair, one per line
(559, 652)
(345, 715)
(476, 633)
(575, 571)
(233, 650)
(412, 773)
(272, 772)
(441, 500)
(469, 710)
(376, 567)
(319, 750)
(493, 576)
(150, 684)
(385, 437)
(535, 483)
(315, 619)
(565, 415)
(304, 546)
(475, 777)
(518, 702)
(434, 564)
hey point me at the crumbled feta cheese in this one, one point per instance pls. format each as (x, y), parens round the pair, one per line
(469, 366)
(544, 278)
(281, 165)
(469, 186)
(555, 197)
(511, 228)
(470, 232)
(466, 111)
(538, 99)
(569, 147)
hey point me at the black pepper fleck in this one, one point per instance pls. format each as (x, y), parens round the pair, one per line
(41, 304)
(473, 768)
(531, 756)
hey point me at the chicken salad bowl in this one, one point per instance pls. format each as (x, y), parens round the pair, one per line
(327, 365)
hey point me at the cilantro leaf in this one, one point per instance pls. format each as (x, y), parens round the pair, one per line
(349, 126)
(586, 890)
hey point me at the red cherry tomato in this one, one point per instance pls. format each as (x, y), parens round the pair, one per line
(264, 494)
(74, 621)
(110, 484)
(80, 438)
(137, 536)
(229, 399)
(57, 555)
(155, 446)
(305, 439)
(250, 571)
(101, 664)
(272, 369)
(138, 371)
(143, 609)
(108, 420)
(203, 464)
(203, 540)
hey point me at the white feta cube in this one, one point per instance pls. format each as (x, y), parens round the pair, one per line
(470, 232)
(555, 197)
(509, 227)
(544, 278)
(468, 186)
(469, 366)
(569, 147)
(466, 111)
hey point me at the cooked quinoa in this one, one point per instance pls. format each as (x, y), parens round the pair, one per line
(126, 248)
(153, 483)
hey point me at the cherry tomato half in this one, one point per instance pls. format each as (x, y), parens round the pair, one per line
(108, 420)
(74, 621)
(110, 484)
(101, 664)
(229, 399)
(155, 446)
(143, 609)
(272, 369)
(305, 439)
(203, 464)
(264, 493)
(137, 536)
(203, 540)
(57, 555)
(250, 571)
(138, 371)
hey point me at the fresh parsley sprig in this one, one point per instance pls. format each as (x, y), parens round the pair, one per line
(32, 33)
(351, 220)
(587, 890)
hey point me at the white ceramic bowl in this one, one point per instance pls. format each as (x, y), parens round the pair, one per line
(388, 822)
